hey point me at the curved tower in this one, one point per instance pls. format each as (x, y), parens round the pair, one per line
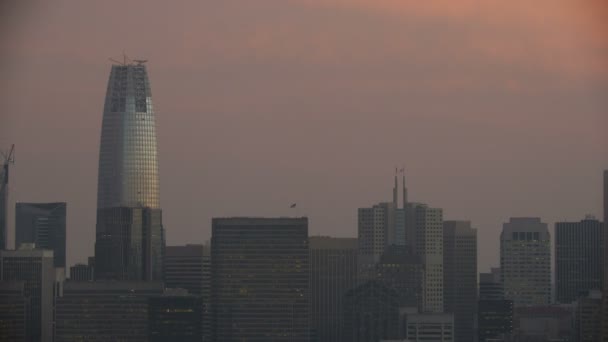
(129, 233)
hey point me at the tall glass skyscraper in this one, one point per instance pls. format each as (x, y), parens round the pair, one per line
(129, 234)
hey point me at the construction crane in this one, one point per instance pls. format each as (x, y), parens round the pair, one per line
(8, 158)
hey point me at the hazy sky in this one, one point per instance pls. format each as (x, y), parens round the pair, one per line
(495, 108)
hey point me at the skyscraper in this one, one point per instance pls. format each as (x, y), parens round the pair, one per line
(44, 225)
(6, 161)
(604, 322)
(260, 279)
(578, 258)
(494, 312)
(460, 276)
(34, 267)
(129, 234)
(525, 261)
(333, 271)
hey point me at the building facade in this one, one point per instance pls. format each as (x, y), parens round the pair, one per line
(4, 204)
(435, 327)
(460, 277)
(81, 272)
(14, 306)
(333, 271)
(104, 311)
(401, 270)
(525, 261)
(260, 279)
(175, 317)
(588, 317)
(129, 232)
(579, 250)
(494, 312)
(43, 224)
(33, 267)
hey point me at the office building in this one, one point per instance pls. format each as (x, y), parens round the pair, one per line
(525, 261)
(185, 268)
(605, 283)
(14, 306)
(129, 233)
(43, 224)
(371, 313)
(6, 161)
(333, 271)
(430, 327)
(543, 323)
(588, 317)
(401, 270)
(460, 277)
(104, 311)
(578, 258)
(260, 279)
(494, 313)
(81, 272)
(175, 316)
(374, 226)
(33, 267)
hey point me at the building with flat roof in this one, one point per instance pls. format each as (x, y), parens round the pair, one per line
(43, 224)
(14, 306)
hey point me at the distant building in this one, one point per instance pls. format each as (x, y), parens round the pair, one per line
(494, 313)
(425, 226)
(333, 271)
(460, 277)
(579, 258)
(374, 227)
(81, 272)
(401, 270)
(430, 327)
(14, 306)
(543, 323)
(525, 261)
(175, 317)
(33, 267)
(588, 317)
(43, 224)
(104, 311)
(605, 284)
(260, 279)
(371, 313)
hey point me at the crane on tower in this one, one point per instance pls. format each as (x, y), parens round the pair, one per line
(8, 158)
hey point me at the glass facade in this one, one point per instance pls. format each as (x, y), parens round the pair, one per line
(129, 234)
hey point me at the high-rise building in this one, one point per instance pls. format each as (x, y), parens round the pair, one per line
(34, 267)
(129, 234)
(371, 313)
(375, 225)
(605, 284)
(578, 258)
(435, 327)
(401, 270)
(14, 306)
(425, 226)
(587, 319)
(81, 272)
(525, 261)
(333, 271)
(460, 277)
(42, 224)
(104, 311)
(494, 312)
(260, 279)
(175, 317)
(6, 161)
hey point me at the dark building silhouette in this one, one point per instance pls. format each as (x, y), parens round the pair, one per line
(104, 311)
(129, 233)
(578, 258)
(260, 279)
(402, 271)
(333, 271)
(43, 224)
(14, 306)
(4, 168)
(605, 284)
(33, 267)
(371, 313)
(588, 317)
(460, 277)
(81, 272)
(495, 313)
(175, 317)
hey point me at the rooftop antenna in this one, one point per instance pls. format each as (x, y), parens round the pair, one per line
(125, 60)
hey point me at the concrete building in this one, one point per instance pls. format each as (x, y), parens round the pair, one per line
(371, 313)
(130, 237)
(104, 311)
(260, 279)
(588, 317)
(579, 262)
(494, 312)
(43, 224)
(175, 316)
(525, 261)
(333, 271)
(430, 327)
(402, 271)
(14, 306)
(460, 277)
(33, 267)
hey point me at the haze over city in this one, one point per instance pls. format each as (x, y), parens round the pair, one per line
(495, 109)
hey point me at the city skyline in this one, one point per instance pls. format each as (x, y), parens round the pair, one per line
(226, 111)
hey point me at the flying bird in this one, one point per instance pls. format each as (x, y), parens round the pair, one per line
(292, 206)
